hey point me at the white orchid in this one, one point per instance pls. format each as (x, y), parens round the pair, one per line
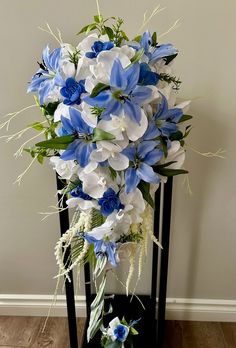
(65, 169)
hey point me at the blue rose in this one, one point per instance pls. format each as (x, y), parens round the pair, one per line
(110, 202)
(121, 332)
(72, 91)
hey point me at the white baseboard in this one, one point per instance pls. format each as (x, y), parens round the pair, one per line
(177, 308)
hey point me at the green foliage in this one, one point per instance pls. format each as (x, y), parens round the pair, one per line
(114, 30)
(98, 89)
(171, 79)
(38, 153)
(37, 126)
(74, 57)
(60, 143)
(170, 58)
(113, 173)
(97, 219)
(97, 111)
(154, 39)
(97, 306)
(131, 237)
(137, 38)
(100, 134)
(145, 189)
(185, 118)
(169, 172)
(137, 56)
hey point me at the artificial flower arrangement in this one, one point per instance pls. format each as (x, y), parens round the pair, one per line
(113, 132)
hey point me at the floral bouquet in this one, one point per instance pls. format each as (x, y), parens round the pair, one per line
(113, 132)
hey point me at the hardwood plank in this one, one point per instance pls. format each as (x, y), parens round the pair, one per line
(18, 331)
(56, 333)
(229, 332)
(186, 334)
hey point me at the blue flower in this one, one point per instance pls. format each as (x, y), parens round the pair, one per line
(72, 91)
(81, 148)
(79, 193)
(98, 47)
(121, 332)
(103, 247)
(164, 121)
(158, 52)
(124, 93)
(142, 159)
(147, 76)
(48, 76)
(110, 202)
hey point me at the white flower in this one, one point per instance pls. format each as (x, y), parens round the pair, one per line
(61, 110)
(134, 204)
(123, 123)
(117, 331)
(82, 204)
(65, 169)
(111, 150)
(176, 154)
(101, 71)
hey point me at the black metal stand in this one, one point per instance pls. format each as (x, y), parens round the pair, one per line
(69, 286)
(149, 322)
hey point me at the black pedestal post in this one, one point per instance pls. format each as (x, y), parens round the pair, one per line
(69, 286)
(164, 262)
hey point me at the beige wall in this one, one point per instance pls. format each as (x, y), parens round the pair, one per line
(202, 261)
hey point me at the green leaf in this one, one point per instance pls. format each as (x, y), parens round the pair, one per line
(176, 136)
(40, 158)
(60, 143)
(98, 89)
(133, 331)
(87, 28)
(97, 305)
(100, 134)
(145, 189)
(36, 100)
(113, 173)
(36, 125)
(125, 37)
(98, 18)
(170, 172)
(154, 38)
(137, 38)
(185, 118)
(170, 58)
(110, 33)
(137, 56)
(165, 164)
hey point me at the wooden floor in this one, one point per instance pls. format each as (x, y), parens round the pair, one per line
(24, 332)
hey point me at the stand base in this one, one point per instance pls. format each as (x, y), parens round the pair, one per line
(132, 311)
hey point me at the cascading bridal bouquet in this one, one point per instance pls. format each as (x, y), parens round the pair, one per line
(114, 132)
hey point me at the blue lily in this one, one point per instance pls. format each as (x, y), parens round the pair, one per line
(48, 76)
(81, 148)
(72, 91)
(158, 52)
(124, 93)
(142, 158)
(103, 247)
(147, 76)
(98, 47)
(164, 121)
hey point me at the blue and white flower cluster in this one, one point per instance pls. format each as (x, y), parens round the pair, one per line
(114, 131)
(117, 128)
